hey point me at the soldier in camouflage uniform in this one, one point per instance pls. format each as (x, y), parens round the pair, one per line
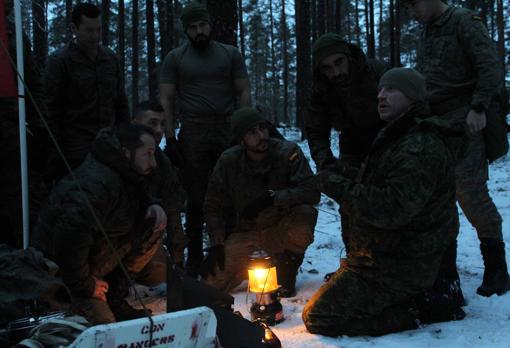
(84, 90)
(207, 79)
(165, 185)
(401, 205)
(10, 190)
(344, 98)
(464, 82)
(106, 195)
(266, 183)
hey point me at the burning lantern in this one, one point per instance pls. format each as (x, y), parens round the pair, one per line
(262, 281)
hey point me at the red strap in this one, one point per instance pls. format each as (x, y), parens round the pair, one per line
(7, 82)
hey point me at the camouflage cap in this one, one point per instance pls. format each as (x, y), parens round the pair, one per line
(408, 81)
(326, 45)
(194, 12)
(242, 120)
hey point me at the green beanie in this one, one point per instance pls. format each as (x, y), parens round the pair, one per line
(327, 45)
(194, 12)
(408, 81)
(242, 120)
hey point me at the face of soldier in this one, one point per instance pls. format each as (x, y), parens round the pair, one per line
(199, 34)
(155, 121)
(392, 103)
(256, 140)
(424, 11)
(142, 160)
(88, 32)
(336, 68)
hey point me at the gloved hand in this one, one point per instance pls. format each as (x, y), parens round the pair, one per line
(253, 208)
(173, 152)
(215, 257)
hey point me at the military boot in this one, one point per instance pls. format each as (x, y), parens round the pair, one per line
(495, 276)
(116, 297)
(287, 269)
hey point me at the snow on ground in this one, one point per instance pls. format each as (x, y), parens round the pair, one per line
(487, 322)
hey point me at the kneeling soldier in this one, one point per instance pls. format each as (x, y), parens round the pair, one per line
(263, 184)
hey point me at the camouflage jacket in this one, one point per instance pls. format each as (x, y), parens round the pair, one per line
(459, 60)
(236, 181)
(67, 231)
(83, 96)
(351, 111)
(401, 203)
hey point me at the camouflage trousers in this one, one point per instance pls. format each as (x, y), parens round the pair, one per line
(292, 231)
(201, 145)
(350, 305)
(472, 173)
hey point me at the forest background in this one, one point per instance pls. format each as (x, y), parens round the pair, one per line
(274, 36)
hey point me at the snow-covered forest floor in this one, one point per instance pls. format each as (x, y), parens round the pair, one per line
(487, 322)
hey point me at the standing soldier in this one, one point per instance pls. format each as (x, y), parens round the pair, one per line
(208, 79)
(464, 82)
(266, 183)
(344, 97)
(84, 88)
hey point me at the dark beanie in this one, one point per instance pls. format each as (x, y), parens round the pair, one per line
(242, 120)
(408, 81)
(194, 12)
(327, 45)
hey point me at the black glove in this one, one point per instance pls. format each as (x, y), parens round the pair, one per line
(215, 257)
(173, 152)
(253, 209)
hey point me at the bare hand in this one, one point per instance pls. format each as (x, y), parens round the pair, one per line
(158, 214)
(476, 121)
(100, 289)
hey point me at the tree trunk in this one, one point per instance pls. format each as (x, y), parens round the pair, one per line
(69, 10)
(224, 20)
(313, 15)
(151, 49)
(122, 44)
(135, 59)
(40, 38)
(241, 27)
(285, 55)
(163, 29)
(392, 33)
(275, 95)
(501, 32)
(397, 34)
(371, 35)
(330, 16)
(304, 64)
(380, 37)
(338, 16)
(356, 19)
(170, 25)
(321, 20)
(105, 21)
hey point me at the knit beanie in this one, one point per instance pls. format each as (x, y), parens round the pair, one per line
(327, 45)
(194, 12)
(408, 81)
(242, 120)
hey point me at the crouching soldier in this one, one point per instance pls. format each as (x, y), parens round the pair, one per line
(100, 216)
(401, 205)
(265, 184)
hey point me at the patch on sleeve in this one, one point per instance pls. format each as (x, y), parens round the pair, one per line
(476, 17)
(293, 156)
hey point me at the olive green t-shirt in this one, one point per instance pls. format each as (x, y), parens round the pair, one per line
(204, 80)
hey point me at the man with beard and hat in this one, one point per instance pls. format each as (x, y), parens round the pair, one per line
(267, 183)
(344, 98)
(208, 80)
(403, 215)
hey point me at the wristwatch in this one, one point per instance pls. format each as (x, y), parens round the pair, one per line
(478, 107)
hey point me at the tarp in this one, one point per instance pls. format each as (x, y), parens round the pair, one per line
(7, 82)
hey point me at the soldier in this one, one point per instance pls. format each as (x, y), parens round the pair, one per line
(265, 182)
(84, 89)
(208, 79)
(105, 197)
(344, 97)
(164, 183)
(401, 205)
(464, 82)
